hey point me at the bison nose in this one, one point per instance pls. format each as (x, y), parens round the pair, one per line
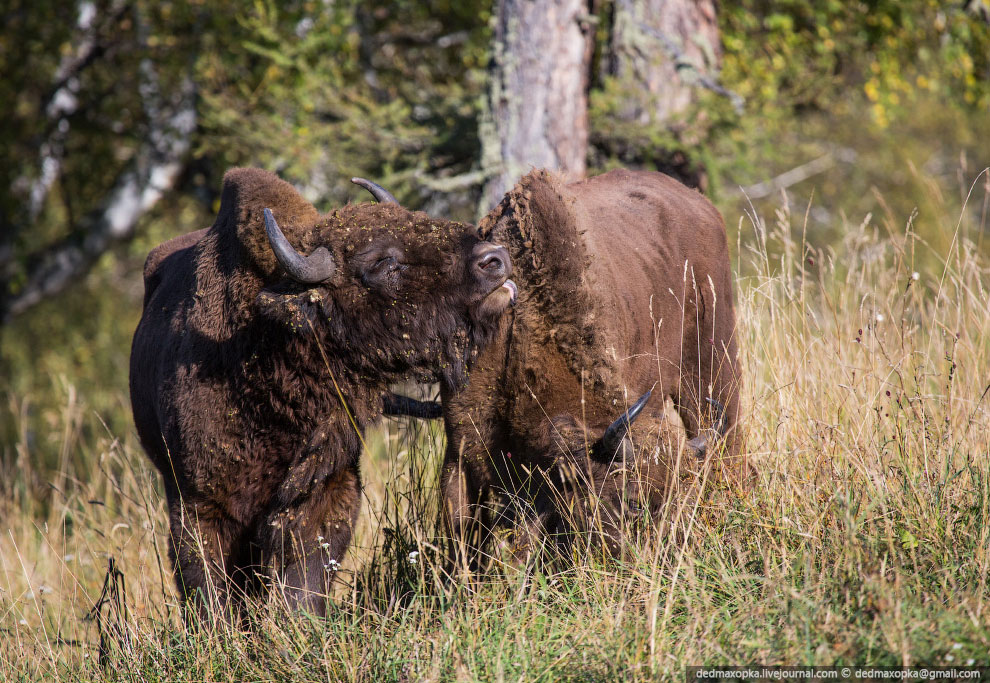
(491, 262)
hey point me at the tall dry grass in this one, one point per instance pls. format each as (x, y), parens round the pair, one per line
(865, 540)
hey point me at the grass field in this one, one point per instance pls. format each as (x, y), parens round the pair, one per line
(866, 539)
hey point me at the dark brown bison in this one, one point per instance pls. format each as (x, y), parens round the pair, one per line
(624, 286)
(255, 370)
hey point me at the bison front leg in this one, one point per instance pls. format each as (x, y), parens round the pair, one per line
(465, 520)
(200, 544)
(306, 540)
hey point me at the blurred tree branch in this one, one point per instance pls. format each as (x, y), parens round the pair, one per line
(154, 170)
(63, 99)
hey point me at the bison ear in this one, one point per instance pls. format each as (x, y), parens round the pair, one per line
(246, 194)
(298, 310)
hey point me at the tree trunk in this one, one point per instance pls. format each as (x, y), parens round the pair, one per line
(663, 50)
(537, 109)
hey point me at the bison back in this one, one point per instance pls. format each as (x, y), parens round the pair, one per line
(658, 268)
(169, 281)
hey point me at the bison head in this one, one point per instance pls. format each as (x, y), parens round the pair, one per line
(393, 292)
(602, 487)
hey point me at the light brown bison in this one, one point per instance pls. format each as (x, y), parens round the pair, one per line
(624, 286)
(255, 370)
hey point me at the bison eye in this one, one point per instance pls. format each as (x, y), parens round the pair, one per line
(388, 264)
(384, 273)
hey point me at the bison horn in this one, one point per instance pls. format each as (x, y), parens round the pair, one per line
(316, 267)
(700, 443)
(382, 196)
(398, 405)
(612, 438)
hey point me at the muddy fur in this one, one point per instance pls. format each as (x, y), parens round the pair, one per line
(624, 285)
(250, 390)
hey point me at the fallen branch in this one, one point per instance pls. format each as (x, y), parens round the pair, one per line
(456, 182)
(798, 174)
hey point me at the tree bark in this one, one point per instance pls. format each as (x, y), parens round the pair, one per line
(537, 109)
(663, 50)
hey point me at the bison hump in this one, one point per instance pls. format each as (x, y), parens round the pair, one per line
(247, 192)
(537, 222)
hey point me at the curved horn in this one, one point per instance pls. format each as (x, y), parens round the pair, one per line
(700, 442)
(398, 405)
(382, 196)
(720, 423)
(316, 267)
(613, 436)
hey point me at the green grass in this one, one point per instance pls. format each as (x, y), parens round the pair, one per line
(866, 539)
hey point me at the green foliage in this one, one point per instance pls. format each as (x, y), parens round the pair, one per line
(324, 92)
(800, 54)
(895, 96)
(902, 84)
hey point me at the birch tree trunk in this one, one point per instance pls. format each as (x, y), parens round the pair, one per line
(537, 109)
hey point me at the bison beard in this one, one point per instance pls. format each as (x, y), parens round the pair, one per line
(250, 389)
(624, 285)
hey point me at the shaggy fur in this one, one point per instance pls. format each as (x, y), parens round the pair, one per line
(624, 285)
(250, 390)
